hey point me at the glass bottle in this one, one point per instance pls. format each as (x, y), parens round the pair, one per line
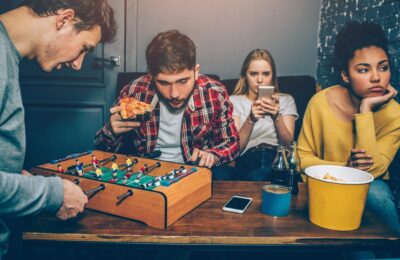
(280, 174)
(294, 168)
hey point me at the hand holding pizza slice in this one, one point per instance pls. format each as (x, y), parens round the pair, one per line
(128, 115)
(131, 107)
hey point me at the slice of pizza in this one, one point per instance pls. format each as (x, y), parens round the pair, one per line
(132, 107)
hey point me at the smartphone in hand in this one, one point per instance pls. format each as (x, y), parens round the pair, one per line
(265, 91)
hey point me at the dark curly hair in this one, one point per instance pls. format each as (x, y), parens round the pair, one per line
(89, 13)
(355, 36)
(170, 51)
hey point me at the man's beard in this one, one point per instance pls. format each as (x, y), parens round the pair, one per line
(171, 108)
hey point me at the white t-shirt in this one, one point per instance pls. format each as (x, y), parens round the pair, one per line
(169, 135)
(264, 130)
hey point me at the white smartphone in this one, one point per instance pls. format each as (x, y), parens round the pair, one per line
(237, 204)
(265, 91)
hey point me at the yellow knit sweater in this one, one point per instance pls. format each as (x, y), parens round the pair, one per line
(326, 139)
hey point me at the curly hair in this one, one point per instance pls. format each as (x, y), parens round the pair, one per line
(355, 36)
(89, 13)
(170, 51)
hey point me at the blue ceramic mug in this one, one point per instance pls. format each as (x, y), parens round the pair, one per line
(275, 200)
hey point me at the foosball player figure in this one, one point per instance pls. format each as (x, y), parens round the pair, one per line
(95, 161)
(157, 181)
(140, 175)
(114, 168)
(79, 167)
(60, 169)
(98, 173)
(129, 164)
(128, 175)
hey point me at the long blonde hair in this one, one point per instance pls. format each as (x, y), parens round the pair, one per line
(242, 87)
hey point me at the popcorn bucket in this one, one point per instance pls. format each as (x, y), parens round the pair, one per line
(336, 196)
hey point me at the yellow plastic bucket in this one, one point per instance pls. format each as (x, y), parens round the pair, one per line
(336, 196)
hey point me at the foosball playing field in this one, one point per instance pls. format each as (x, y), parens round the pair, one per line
(155, 192)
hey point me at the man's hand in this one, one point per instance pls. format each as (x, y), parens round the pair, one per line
(368, 104)
(206, 159)
(74, 201)
(360, 160)
(119, 126)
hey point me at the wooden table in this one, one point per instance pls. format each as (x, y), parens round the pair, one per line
(209, 226)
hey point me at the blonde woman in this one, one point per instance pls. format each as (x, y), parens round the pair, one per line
(262, 123)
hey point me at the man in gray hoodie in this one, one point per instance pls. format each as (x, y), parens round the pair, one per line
(55, 33)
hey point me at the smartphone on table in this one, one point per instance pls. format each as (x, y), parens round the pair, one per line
(237, 204)
(265, 91)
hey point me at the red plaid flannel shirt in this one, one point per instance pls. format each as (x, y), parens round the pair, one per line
(207, 123)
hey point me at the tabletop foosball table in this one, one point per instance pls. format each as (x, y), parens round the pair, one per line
(154, 192)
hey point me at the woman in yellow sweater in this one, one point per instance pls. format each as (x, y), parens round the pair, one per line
(357, 124)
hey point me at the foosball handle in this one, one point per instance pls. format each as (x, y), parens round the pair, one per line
(95, 190)
(76, 181)
(150, 168)
(121, 197)
(106, 160)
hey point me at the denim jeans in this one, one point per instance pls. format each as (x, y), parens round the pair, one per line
(380, 200)
(256, 165)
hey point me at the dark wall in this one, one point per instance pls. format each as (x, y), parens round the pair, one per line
(335, 13)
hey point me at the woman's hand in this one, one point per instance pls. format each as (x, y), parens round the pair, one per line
(256, 111)
(359, 160)
(265, 107)
(270, 106)
(368, 104)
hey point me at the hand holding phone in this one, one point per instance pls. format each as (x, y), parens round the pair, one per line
(265, 91)
(237, 204)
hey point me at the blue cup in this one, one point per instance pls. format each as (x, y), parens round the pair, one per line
(276, 200)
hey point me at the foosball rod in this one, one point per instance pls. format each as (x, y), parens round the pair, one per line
(71, 169)
(125, 195)
(151, 168)
(176, 179)
(123, 166)
(107, 160)
(95, 190)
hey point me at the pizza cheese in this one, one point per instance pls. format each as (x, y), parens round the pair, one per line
(132, 107)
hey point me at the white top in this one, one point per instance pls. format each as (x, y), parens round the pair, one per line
(169, 135)
(264, 130)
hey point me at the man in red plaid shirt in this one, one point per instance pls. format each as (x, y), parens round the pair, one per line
(192, 116)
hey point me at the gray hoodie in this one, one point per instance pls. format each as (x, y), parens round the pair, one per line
(19, 195)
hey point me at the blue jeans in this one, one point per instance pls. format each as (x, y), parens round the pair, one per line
(380, 200)
(228, 173)
(224, 173)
